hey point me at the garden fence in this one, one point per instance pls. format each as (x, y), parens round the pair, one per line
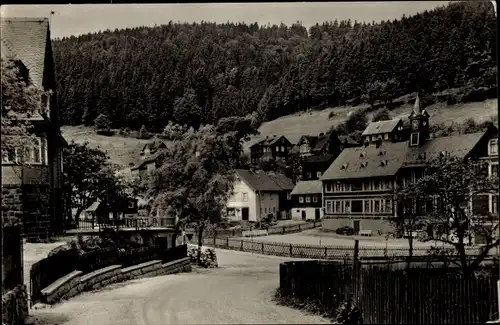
(394, 296)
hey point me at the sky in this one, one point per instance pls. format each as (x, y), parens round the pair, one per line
(81, 19)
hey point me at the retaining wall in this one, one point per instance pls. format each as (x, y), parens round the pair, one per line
(75, 282)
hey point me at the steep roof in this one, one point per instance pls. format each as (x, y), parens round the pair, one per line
(26, 39)
(381, 127)
(153, 145)
(93, 207)
(284, 182)
(269, 140)
(395, 156)
(261, 181)
(307, 187)
(147, 160)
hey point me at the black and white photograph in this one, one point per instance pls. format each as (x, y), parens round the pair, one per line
(250, 163)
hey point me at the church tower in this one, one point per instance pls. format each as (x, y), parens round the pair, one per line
(419, 120)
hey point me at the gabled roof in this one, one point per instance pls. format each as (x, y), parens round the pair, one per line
(148, 160)
(307, 187)
(261, 181)
(364, 162)
(284, 182)
(153, 145)
(26, 39)
(268, 141)
(93, 207)
(318, 159)
(381, 127)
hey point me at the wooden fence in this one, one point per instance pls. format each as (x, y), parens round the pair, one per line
(48, 270)
(394, 296)
(12, 263)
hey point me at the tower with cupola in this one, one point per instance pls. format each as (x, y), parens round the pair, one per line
(419, 120)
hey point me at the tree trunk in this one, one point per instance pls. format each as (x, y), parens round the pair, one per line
(200, 240)
(177, 229)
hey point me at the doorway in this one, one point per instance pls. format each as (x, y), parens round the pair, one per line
(244, 214)
(355, 226)
(303, 215)
(317, 214)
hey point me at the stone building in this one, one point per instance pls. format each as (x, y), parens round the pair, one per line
(32, 191)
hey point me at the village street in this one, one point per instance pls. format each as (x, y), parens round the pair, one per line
(240, 291)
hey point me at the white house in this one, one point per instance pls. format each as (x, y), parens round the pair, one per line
(307, 200)
(255, 195)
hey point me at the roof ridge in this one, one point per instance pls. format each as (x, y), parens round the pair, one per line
(40, 19)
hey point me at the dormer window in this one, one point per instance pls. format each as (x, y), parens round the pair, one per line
(383, 163)
(344, 166)
(442, 153)
(493, 147)
(381, 153)
(364, 164)
(362, 154)
(421, 156)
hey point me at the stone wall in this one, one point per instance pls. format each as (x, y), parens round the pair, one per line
(12, 204)
(72, 284)
(15, 306)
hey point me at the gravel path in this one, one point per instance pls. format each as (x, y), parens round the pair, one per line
(238, 292)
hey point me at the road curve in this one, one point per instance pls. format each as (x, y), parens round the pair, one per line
(238, 292)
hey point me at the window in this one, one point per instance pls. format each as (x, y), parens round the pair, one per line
(35, 154)
(271, 197)
(244, 197)
(388, 206)
(329, 206)
(347, 206)
(376, 206)
(357, 186)
(494, 204)
(493, 147)
(308, 199)
(337, 187)
(288, 196)
(328, 187)
(386, 136)
(376, 185)
(414, 139)
(374, 138)
(357, 206)
(318, 174)
(131, 204)
(10, 156)
(494, 171)
(338, 206)
(282, 149)
(367, 206)
(301, 199)
(315, 199)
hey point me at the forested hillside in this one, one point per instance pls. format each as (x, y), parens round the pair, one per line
(197, 73)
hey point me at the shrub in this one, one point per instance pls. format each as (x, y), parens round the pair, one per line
(208, 258)
(15, 306)
(144, 133)
(348, 314)
(332, 114)
(102, 123)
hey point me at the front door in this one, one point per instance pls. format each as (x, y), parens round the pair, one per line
(244, 214)
(303, 215)
(317, 215)
(355, 226)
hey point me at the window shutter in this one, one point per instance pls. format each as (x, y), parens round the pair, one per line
(480, 205)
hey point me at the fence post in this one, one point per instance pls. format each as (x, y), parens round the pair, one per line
(215, 236)
(283, 229)
(242, 244)
(326, 251)
(355, 275)
(299, 227)
(227, 241)
(291, 250)
(262, 247)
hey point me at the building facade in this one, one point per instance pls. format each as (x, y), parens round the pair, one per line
(275, 147)
(33, 189)
(359, 187)
(307, 200)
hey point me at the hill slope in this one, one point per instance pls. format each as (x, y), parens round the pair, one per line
(315, 122)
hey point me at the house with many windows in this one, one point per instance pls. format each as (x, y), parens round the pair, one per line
(275, 147)
(256, 195)
(32, 187)
(359, 187)
(307, 200)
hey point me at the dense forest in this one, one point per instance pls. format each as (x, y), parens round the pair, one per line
(198, 73)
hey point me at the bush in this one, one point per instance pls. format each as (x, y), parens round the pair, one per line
(15, 306)
(102, 123)
(348, 314)
(208, 257)
(144, 133)
(332, 114)
(381, 115)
